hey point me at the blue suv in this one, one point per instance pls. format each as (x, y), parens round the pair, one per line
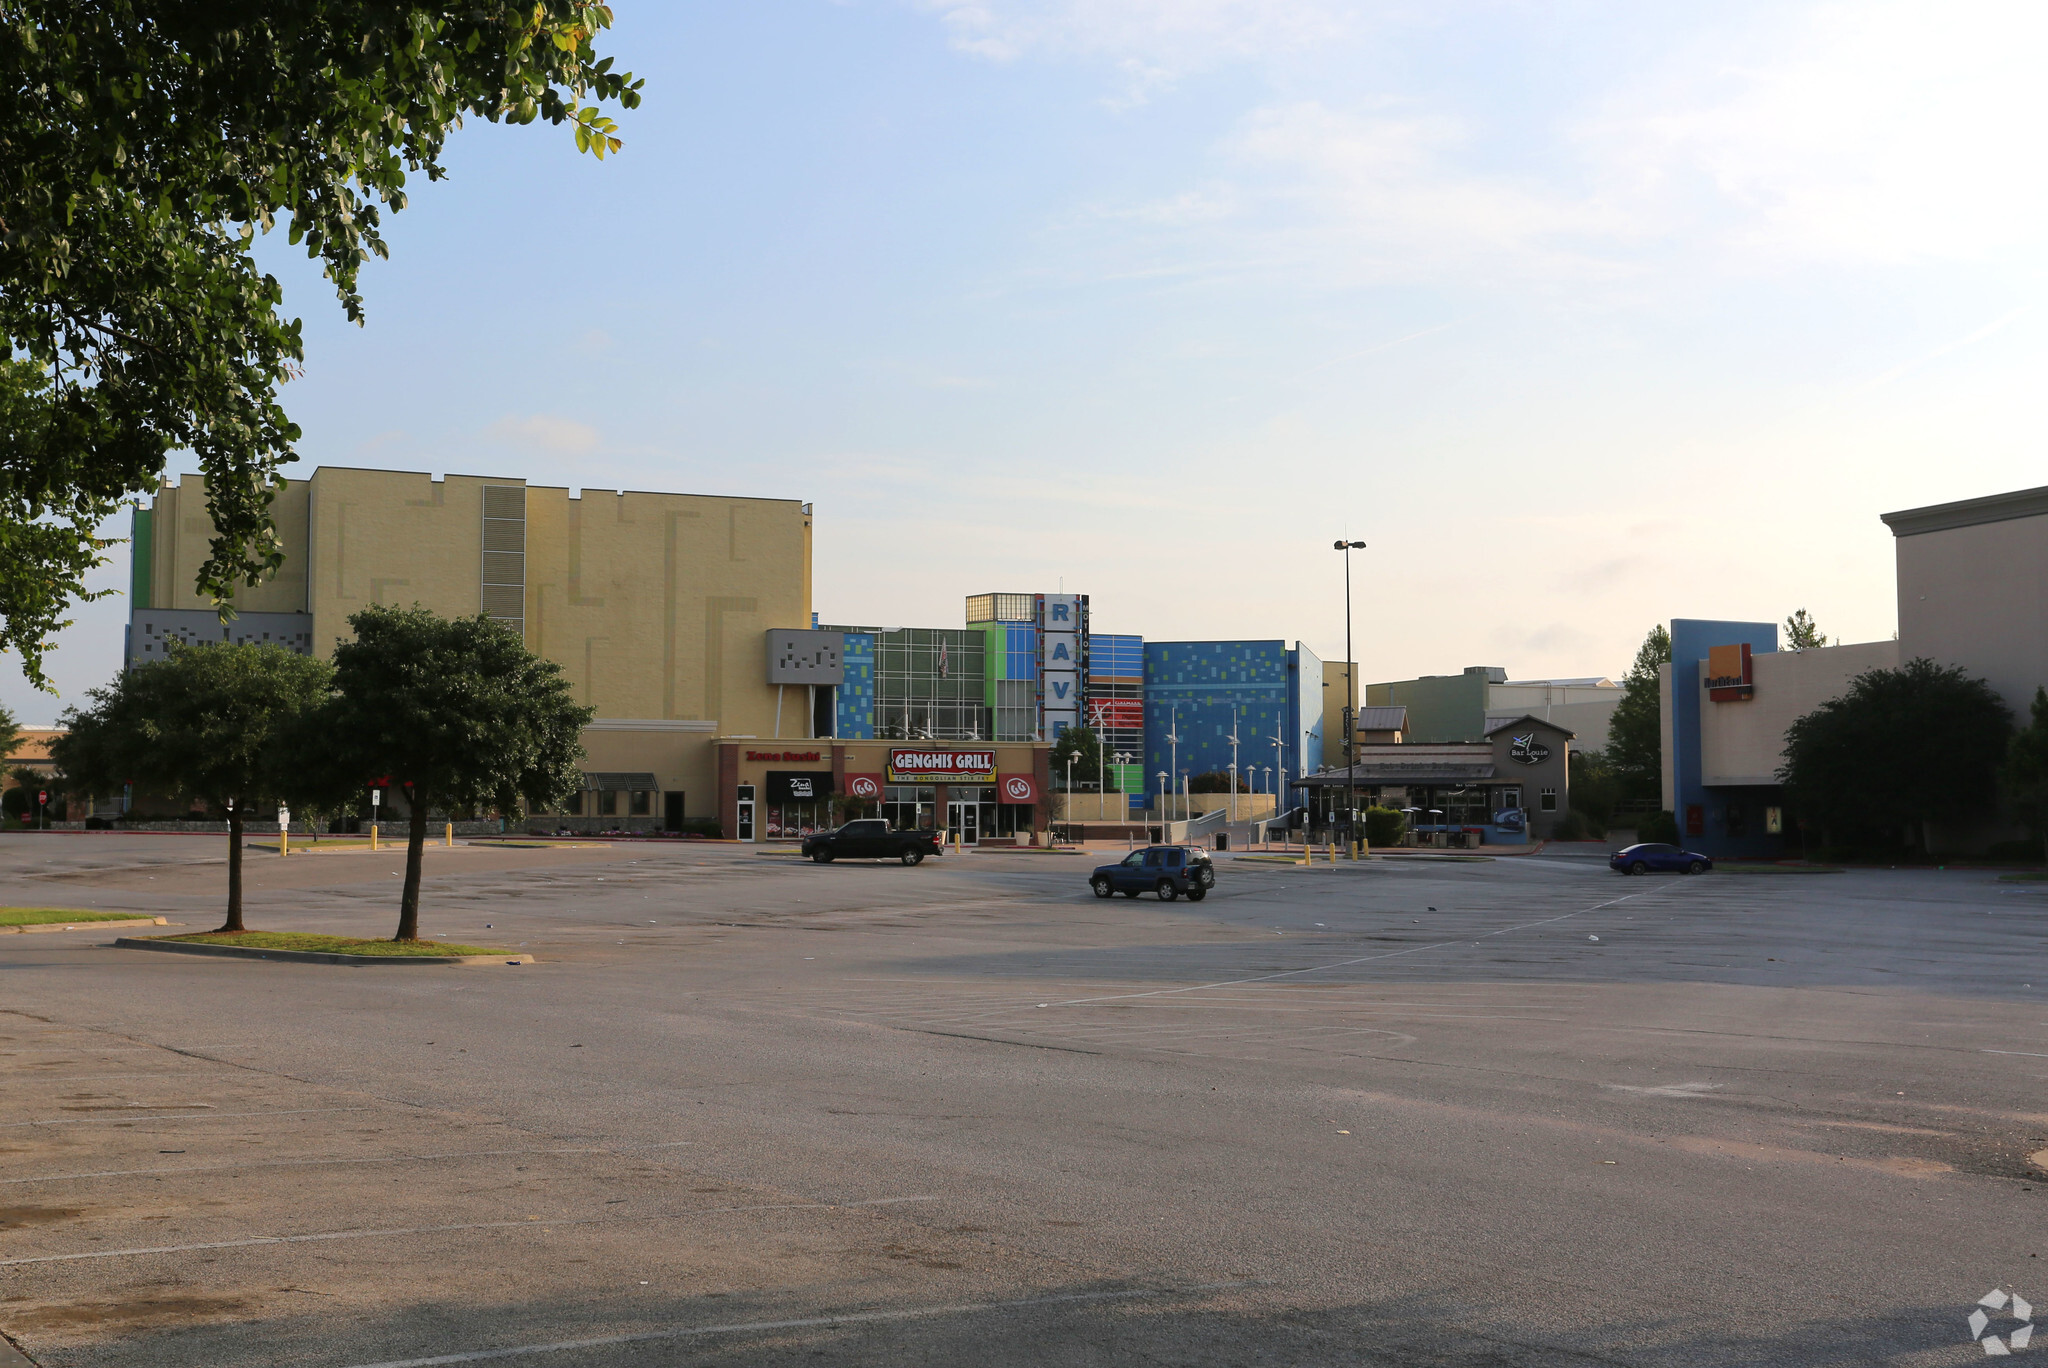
(1163, 870)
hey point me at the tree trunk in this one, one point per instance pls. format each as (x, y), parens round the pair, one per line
(415, 847)
(234, 921)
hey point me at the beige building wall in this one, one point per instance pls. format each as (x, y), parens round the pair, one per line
(1743, 742)
(1585, 710)
(1975, 593)
(1337, 693)
(181, 534)
(654, 605)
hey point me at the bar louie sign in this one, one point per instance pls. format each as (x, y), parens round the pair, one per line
(1730, 677)
(942, 766)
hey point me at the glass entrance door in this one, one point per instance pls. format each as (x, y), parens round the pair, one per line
(746, 821)
(963, 821)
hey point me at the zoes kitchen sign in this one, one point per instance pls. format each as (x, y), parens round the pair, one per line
(942, 766)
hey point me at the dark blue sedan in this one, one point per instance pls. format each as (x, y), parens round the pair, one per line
(1669, 859)
(1163, 870)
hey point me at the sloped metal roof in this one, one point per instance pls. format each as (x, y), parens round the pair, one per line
(1438, 763)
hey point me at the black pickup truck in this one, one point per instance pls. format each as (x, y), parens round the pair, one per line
(871, 839)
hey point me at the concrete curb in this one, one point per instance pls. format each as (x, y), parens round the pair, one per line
(86, 926)
(308, 956)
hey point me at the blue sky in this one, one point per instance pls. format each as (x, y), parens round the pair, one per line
(1583, 315)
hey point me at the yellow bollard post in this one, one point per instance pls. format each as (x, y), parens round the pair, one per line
(284, 842)
(373, 835)
(451, 835)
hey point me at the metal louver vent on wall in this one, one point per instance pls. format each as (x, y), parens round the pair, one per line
(504, 560)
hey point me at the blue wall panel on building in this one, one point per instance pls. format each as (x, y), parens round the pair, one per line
(856, 710)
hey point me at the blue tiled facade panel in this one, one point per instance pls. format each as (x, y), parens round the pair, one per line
(857, 695)
(1198, 690)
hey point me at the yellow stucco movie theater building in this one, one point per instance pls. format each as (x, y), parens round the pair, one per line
(658, 608)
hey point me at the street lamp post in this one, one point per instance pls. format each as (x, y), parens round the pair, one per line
(1233, 766)
(1102, 761)
(1350, 699)
(1173, 745)
(1069, 814)
(1162, 807)
(1279, 764)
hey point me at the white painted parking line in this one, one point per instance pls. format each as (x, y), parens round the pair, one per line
(131, 1117)
(795, 1323)
(531, 1224)
(2030, 1054)
(288, 1163)
(1345, 963)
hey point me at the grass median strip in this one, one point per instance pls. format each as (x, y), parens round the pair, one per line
(66, 916)
(331, 945)
(46, 916)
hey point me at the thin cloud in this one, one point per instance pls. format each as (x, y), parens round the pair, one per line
(1150, 44)
(546, 434)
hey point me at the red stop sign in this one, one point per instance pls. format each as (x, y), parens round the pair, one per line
(42, 795)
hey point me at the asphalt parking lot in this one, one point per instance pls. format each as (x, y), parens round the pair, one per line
(749, 1110)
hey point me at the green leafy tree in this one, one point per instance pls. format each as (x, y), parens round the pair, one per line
(56, 490)
(20, 802)
(2024, 775)
(1384, 825)
(10, 733)
(1635, 737)
(1084, 744)
(457, 714)
(1595, 789)
(1900, 749)
(214, 722)
(143, 145)
(1802, 633)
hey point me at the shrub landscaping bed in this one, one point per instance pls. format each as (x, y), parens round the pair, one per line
(309, 943)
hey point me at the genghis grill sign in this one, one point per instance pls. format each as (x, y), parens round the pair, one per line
(942, 766)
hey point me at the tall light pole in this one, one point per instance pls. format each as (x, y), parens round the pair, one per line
(1070, 790)
(1173, 744)
(1233, 766)
(1162, 807)
(1124, 758)
(1279, 763)
(1101, 771)
(1350, 695)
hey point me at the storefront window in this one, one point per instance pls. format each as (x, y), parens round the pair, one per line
(643, 803)
(909, 807)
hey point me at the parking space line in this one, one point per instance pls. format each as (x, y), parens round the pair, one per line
(195, 1116)
(331, 1235)
(293, 1163)
(1472, 939)
(795, 1323)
